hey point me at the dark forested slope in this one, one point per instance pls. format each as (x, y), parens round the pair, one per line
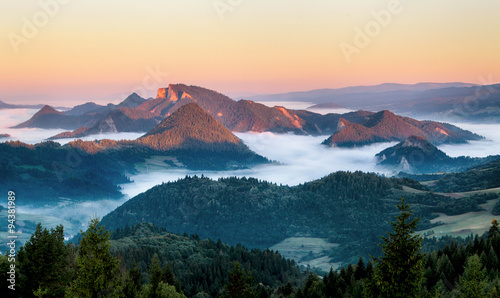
(347, 208)
(200, 265)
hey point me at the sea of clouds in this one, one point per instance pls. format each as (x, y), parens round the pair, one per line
(300, 159)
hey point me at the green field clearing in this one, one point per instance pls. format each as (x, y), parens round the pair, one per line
(464, 224)
(157, 163)
(308, 251)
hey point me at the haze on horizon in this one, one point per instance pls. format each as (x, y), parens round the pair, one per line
(86, 50)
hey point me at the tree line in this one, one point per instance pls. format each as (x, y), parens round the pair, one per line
(101, 267)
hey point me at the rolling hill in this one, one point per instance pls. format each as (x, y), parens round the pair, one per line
(486, 176)
(346, 208)
(201, 266)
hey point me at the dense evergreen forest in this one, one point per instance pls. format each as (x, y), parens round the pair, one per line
(147, 261)
(201, 265)
(346, 208)
(44, 172)
(479, 177)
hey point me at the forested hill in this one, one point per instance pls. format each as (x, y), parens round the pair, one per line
(201, 265)
(347, 208)
(480, 177)
(191, 127)
(44, 172)
(417, 155)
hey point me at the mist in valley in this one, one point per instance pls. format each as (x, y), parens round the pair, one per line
(299, 159)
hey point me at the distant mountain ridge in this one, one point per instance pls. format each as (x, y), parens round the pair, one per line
(90, 115)
(447, 102)
(244, 115)
(4, 105)
(324, 95)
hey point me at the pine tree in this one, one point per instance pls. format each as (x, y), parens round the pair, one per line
(239, 283)
(473, 282)
(155, 275)
(44, 263)
(161, 283)
(133, 281)
(97, 273)
(399, 271)
(493, 229)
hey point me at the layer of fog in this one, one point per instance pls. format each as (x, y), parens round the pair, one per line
(301, 158)
(74, 215)
(12, 117)
(294, 105)
(489, 146)
(299, 105)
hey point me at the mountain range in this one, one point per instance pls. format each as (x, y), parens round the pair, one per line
(194, 137)
(349, 129)
(386, 126)
(327, 94)
(91, 118)
(445, 101)
(189, 138)
(4, 105)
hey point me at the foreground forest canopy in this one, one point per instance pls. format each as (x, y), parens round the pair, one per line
(147, 261)
(346, 208)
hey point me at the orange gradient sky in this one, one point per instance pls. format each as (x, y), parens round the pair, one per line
(103, 50)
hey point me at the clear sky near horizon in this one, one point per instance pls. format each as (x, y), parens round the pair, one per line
(71, 51)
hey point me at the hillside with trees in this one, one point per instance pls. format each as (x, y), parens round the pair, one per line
(147, 261)
(416, 155)
(200, 265)
(46, 171)
(345, 208)
(484, 176)
(459, 269)
(142, 261)
(190, 127)
(88, 170)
